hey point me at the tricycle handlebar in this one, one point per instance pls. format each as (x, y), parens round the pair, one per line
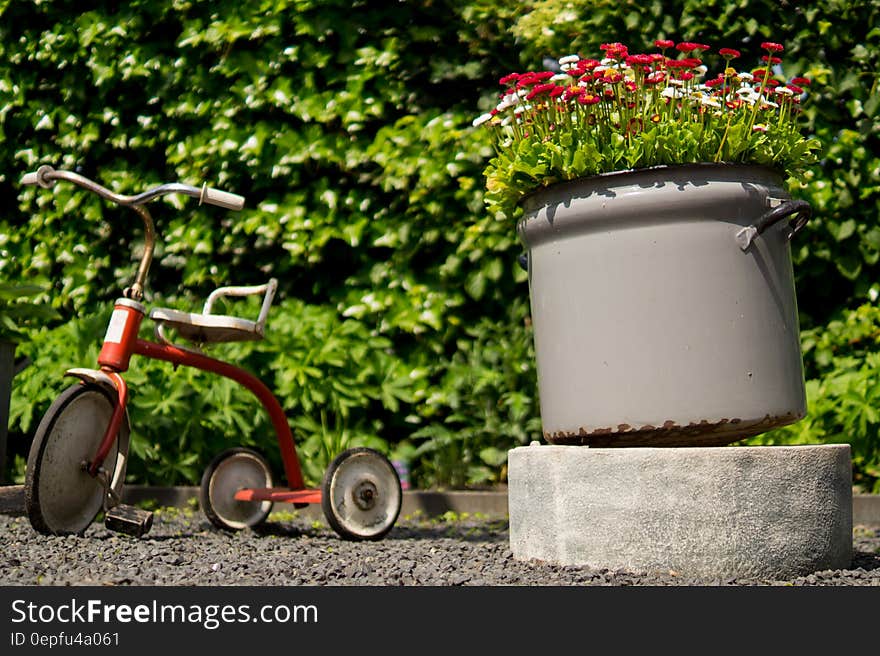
(45, 176)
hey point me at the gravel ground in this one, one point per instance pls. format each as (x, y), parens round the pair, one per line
(183, 549)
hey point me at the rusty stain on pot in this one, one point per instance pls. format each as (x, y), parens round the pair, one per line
(697, 433)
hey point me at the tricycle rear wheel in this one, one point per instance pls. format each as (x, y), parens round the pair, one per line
(231, 471)
(361, 494)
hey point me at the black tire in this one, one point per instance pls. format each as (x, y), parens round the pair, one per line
(229, 472)
(60, 497)
(361, 494)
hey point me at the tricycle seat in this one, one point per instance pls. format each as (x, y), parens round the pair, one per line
(208, 328)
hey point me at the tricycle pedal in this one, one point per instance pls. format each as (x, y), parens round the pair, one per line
(129, 520)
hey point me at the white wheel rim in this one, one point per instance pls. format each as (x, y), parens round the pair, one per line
(238, 471)
(69, 497)
(364, 494)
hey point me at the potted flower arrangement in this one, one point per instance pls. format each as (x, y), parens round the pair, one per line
(652, 201)
(631, 111)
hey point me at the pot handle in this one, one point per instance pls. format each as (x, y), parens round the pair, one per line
(802, 213)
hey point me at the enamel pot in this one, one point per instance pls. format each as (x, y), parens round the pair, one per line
(663, 305)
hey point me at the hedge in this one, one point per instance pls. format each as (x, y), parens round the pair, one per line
(402, 319)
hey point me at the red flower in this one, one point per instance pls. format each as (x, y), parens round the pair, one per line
(729, 53)
(588, 99)
(759, 72)
(772, 47)
(714, 82)
(587, 64)
(800, 80)
(540, 89)
(655, 78)
(615, 50)
(611, 77)
(798, 90)
(510, 77)
(690, 46)
(771, 60)
(639, 60)
(557, 91)
(664, 43)
(532, 78)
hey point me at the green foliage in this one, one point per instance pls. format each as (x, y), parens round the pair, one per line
(487, 385)
(842, 362)
(74, 344)
(346, 128)
(19, 311)
(402, 315)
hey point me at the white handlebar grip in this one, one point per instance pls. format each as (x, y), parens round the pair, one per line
(222, 199)
(39, 177)
(30, 178)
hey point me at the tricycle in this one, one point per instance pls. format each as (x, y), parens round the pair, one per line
(77, 461)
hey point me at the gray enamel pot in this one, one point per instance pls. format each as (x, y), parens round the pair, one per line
(664, 307)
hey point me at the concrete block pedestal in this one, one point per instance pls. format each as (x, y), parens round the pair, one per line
(773, 512)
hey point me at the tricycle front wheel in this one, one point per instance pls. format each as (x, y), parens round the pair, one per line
(361, 494)
(60, 496)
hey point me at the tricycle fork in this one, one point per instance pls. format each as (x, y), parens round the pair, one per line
(115, 384)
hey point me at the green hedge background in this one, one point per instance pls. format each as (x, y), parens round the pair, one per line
(402, 319)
